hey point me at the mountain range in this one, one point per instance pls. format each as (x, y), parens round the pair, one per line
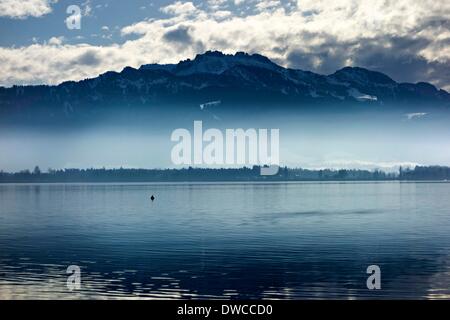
(240, 80)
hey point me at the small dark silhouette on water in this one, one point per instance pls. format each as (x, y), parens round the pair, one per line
(152, 198)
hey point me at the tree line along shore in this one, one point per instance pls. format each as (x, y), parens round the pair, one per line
(420, 173)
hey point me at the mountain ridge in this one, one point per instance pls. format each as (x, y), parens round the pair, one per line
(238, 78)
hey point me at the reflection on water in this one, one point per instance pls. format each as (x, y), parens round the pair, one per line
(233, 241)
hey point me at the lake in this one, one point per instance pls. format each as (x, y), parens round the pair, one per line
(310, 240)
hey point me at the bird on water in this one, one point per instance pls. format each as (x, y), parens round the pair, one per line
(152, 198)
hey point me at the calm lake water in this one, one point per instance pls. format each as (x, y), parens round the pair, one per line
(236, 240)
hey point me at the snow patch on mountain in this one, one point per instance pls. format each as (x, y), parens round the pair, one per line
(361, 96)
(415, 115)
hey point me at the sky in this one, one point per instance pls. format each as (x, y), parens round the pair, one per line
(409, 40)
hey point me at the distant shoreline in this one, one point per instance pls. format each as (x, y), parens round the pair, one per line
(189, 175)
(212, 183)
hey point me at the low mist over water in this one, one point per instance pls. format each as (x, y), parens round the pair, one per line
(311, 140)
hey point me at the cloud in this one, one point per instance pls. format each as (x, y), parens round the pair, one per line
(180, 34)
(179, 8)
(408, 42)
(214, 4)
(222, 14)
(56, 41)
(88, 58)
(25, 8)
(263, 5)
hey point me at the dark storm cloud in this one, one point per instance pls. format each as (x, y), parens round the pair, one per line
(180, 35)
(320, 61)
(89, 58)
(324, 58)
(182, 39)
(398, 57)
